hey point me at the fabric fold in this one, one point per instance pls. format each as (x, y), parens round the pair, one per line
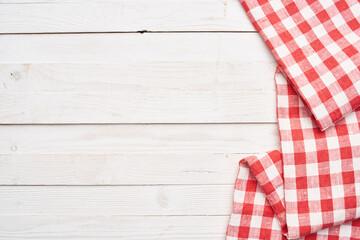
(254, 218)
(321, 168)
(268, 171)
(317, 44)
(311, 186)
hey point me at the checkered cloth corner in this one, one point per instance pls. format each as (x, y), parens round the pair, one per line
(268, 171)
(312, 186)
(317, 44)
(254, 218)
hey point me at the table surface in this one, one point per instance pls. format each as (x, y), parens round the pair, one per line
(126, 119)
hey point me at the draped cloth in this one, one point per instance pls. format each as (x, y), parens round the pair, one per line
(317, 44)
(311, 187)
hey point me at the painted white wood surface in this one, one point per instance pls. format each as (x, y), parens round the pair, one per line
(114, 227)
(133, 47)
(117, 200)
(151, 103)
(139, 107)
(134, 138)
(121, 16)
(111, 134)
(118, 169)
(138, 76)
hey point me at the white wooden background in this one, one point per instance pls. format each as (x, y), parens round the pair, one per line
(126, 119)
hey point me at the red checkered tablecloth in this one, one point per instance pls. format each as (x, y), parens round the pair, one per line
(254, 218)
(311, 187)
(317, 44)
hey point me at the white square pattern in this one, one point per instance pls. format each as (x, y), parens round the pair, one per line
(307, 13)
(337, 191)
(270, 32)
(338, 20)
(312, 169)
(340, 99)
(276, 5)
(235, 219)
(282, 51)
(291, 195)
(320, 31)
(314, 59)
(258, 13)
(335, 166)
(301, 41)
(259, 198)
(283, 101)
(339, 214)
(320, 111)
(272, 172)
(289, 23)
(255, 221)
(292, 219)
(314, 194)
(310, 145)
(332, 142)
(326, 3)
(328, 78)
(287, 146)
(290, 170)
(295, 70)
(308, 90)
(348, 66)
(333, 48)
(315, 218)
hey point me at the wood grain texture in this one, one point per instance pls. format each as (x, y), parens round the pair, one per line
(117, 200)
(132, 47)
(138, 76)
(160, 102)
(113, 227)
(41, 16)
(120, 176)
(119, 169)
(138, 107)
(107, 139)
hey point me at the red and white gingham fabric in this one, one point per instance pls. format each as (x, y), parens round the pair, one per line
(254, 218)
(311, 188)
(317, 44)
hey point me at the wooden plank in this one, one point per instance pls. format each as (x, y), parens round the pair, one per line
(117, 200)
(119, 169)
(113, 227)
(89, 139)
(156, 47)
(39, 16)
(150, 106)
(138, 76)
(138, 107)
